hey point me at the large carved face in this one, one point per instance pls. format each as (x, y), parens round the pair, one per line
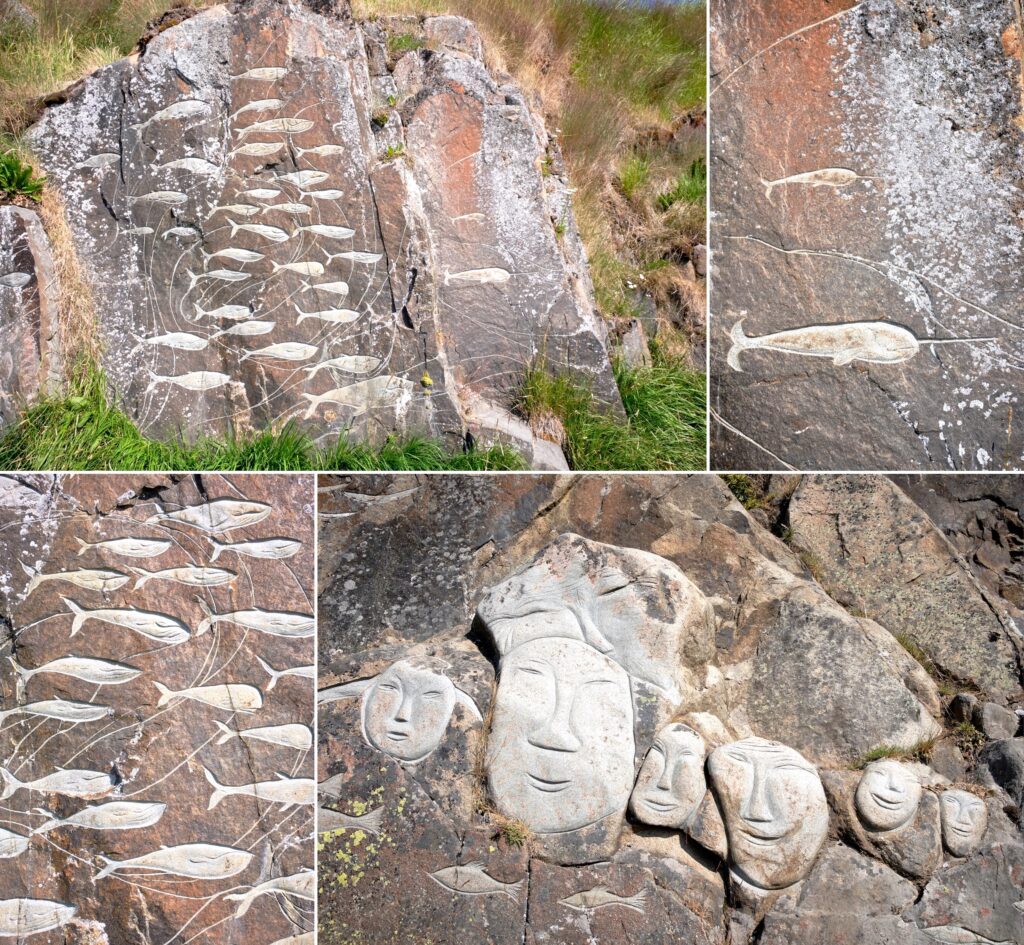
(671, 783)
(561, 743)
(774, 808)
(406, 710)
(964, 819)
(887, 795)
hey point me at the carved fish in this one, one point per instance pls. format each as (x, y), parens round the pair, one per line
(260, 193)
(290, 792)
(222, 275)
(72, 782)
(129, 547)
(331, 232)
(263, 74)
(469, 879)
(287, 736)
(181, 231)
(12, 844)
(302, 268)
(190, 575)
(324, 194)
(349, 363)
(99, 672)
(600, 896)
(874, 342)
(189, 108)
(288, 126)
(158, 627)
(173, 198)
(246, 329)
(301, 884)
(116, 815)
(139, 231)
(193, 165)
(15, 280)
(180, 340)
(193, 860)
(216, 516)
(347, 690)
(273, 548)
(238, 255)
(492, 276)
(90, 580)
(60, 709)
(303, 178)
(242, 209)
(334, 316)
(332, 786)
(824, 177)
(234, 312)
(305, 672)
(284, 351)
(296, 209)
(335, 288)
(273, 233)
(356, 257)
(383, 391)
(328, 820)
(193, 380)
(234, 697)
(103, 159)
(23, 917)
(957, 935)
(303, 938)
(276, 623)
(258, 149)
(323, 149)
(261, 105)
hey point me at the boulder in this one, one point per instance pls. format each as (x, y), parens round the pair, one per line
(285, 231)
(995, 721)
(1002, 764)
(845, 137)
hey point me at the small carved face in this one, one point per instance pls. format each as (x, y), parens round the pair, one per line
(671, 783)
(561, 742)
(964, 819)
(406, 711)
(887, 795)
(774, 808)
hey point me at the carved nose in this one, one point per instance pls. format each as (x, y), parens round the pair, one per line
(757, 809)
(665, 781)
(556, 733)
(404, 712)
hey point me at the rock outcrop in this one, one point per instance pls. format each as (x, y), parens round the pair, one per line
(609, 709)
(292, 216)
(866, 168)
(157, 701)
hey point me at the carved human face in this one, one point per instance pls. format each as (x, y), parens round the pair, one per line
(561, 742)
(773, 804)
(887, 795)
(406, 711)
(671, 783)
(964, 819)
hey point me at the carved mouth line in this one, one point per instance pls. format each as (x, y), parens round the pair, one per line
(886, 802)
(397, 736)
(546, 785)
(660, 806)
(761, 839)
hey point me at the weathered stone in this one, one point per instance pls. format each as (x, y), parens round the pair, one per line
(874, 543)
(995, 721)
(1003, 762)
(773, 804)
(964, 821)
(947, 760)
(699, 257)
(846, 136)
(283, 231)
(633, 345)
(188, 729)
(30, 358)
(962, 706)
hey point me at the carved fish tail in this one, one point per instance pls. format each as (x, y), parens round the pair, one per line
(514, 891)
(207, 622)
(144, 576)
(23, 674)
(768, 187)
(228, 733)
(636, 902)
(49, 825)
(80, 615)
(372, 821)
(740, 342)
(245, 900)
(219, 791)
(83, 546)
(217, 549)
(273, 673)
(314, 402)
(11, 783)
(107, 870)
(165, 694)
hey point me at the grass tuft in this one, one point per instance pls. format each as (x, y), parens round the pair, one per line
(18, 178)
(691, 187)
(665, 406)
(919, 751)
(81, 430)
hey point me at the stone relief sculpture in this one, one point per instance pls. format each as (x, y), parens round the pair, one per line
(774, 807)
(671, 783)
(964, 820)
(888, 795)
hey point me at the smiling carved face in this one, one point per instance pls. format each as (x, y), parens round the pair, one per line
(774, 809)
(561, 743)
(406, 711)
(964, 819)
(671, 783)
(887, 795)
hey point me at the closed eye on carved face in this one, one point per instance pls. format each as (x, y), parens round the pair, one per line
(610, 580)
(390, 686)
(434, 695)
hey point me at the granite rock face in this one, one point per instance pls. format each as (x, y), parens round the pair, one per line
(848, 140)
(291, 220)
(157, 708)
(547, 716)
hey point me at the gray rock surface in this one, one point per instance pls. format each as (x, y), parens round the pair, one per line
(904, 116)
(284, 229)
